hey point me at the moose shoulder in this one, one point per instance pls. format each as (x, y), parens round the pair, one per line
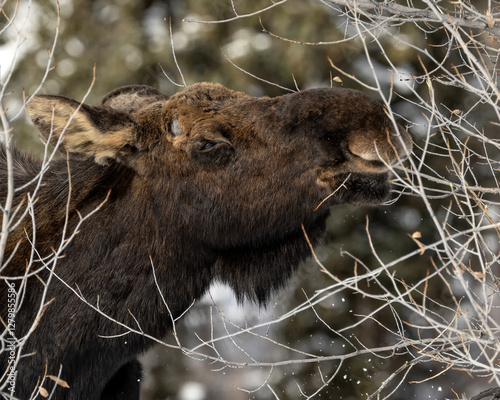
(207, 184)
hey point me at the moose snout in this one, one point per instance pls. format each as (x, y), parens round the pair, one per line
(387, 147)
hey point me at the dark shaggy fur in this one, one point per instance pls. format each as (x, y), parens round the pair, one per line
(208, 184)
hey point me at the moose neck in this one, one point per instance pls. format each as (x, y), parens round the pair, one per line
(123, 243)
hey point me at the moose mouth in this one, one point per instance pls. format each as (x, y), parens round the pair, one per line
(364, 177)
(358, 188)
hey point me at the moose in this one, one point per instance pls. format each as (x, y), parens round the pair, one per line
(174, 192)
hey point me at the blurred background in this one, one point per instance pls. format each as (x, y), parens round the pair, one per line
(128, 42)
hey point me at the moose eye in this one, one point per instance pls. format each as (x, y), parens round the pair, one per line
(207, 146)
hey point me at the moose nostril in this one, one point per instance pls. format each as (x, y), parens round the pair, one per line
(373, 157)
(381, 148)
(365, 150)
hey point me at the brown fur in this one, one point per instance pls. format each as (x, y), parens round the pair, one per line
(208, 184)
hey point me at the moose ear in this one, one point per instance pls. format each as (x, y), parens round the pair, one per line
(98, 132)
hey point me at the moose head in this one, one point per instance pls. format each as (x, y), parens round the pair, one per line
(207, 184)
